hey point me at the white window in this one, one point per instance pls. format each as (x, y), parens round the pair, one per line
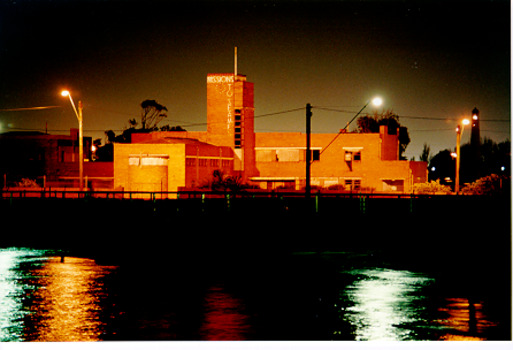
(287, 155)
(148, 160)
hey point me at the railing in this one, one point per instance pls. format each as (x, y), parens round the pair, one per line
(207, 194)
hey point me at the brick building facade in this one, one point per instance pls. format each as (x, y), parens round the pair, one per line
(357, 162)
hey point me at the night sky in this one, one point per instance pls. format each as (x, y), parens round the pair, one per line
(431, 61)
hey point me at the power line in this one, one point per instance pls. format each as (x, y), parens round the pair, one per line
(331, 109)
(281, 112)
(24, 109)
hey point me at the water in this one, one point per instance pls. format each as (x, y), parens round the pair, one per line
(294, 296)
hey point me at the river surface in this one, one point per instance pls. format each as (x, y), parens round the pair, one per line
(293, 296)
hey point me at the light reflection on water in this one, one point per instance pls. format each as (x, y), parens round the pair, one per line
(224, 316)
(383, 304)
(14, 289)
(42, 299)
(68, 300)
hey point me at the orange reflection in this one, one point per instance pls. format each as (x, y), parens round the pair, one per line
(224, 317)
(467, 318)
(67, 307)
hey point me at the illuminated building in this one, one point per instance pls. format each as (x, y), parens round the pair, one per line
(356, 162)
(366, 162)
(230, 118)
(168, 164)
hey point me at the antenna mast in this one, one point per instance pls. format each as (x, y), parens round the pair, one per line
(235, 63)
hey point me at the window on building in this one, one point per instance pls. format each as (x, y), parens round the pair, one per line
(352, 184)
(190, 162)
(265, 155)
(393, 185)
(315, 155)
(357, 156)
(214, 163)
(202, 162)
(287, 155)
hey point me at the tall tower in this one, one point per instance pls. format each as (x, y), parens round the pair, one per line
(230, 118)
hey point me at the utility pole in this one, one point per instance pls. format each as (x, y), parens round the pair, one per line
(308, 188)
(80, 147)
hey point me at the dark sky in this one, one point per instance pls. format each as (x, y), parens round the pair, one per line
(431, 61)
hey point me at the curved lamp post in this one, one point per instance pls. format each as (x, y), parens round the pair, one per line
(78, 113)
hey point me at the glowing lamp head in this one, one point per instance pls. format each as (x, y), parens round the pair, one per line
(377, 101)
(466, 122)
(65, 93)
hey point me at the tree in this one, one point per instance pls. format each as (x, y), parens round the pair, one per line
(495, 159)
(106, 153)
(489, 185)
(442, 167)
(371, 124)
(152, 113)
(425, 156)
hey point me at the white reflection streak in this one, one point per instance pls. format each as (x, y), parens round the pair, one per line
(383, 302)
(12, 292)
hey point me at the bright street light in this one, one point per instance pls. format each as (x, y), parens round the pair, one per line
(377, 101)
(66, 93)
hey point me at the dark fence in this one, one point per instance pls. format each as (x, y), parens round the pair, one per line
(156, 225)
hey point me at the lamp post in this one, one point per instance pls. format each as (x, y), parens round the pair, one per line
(459, 131)
(80, 138)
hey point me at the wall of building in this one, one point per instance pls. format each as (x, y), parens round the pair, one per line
(168, 164)
(366, 162)
(149, 167)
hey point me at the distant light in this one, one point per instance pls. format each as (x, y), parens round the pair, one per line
(503, 168)
(377, 101)
(65, 93)
(433, 168)
(93, 148)
(454, 154)
(466, 122)
(474, 117)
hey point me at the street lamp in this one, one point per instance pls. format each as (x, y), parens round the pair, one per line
(66, 93)
(376, 101)
(459, 131)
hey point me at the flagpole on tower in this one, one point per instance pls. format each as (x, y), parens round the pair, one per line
(235, 63)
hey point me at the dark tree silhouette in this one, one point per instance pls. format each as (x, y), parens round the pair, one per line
(152, 113)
